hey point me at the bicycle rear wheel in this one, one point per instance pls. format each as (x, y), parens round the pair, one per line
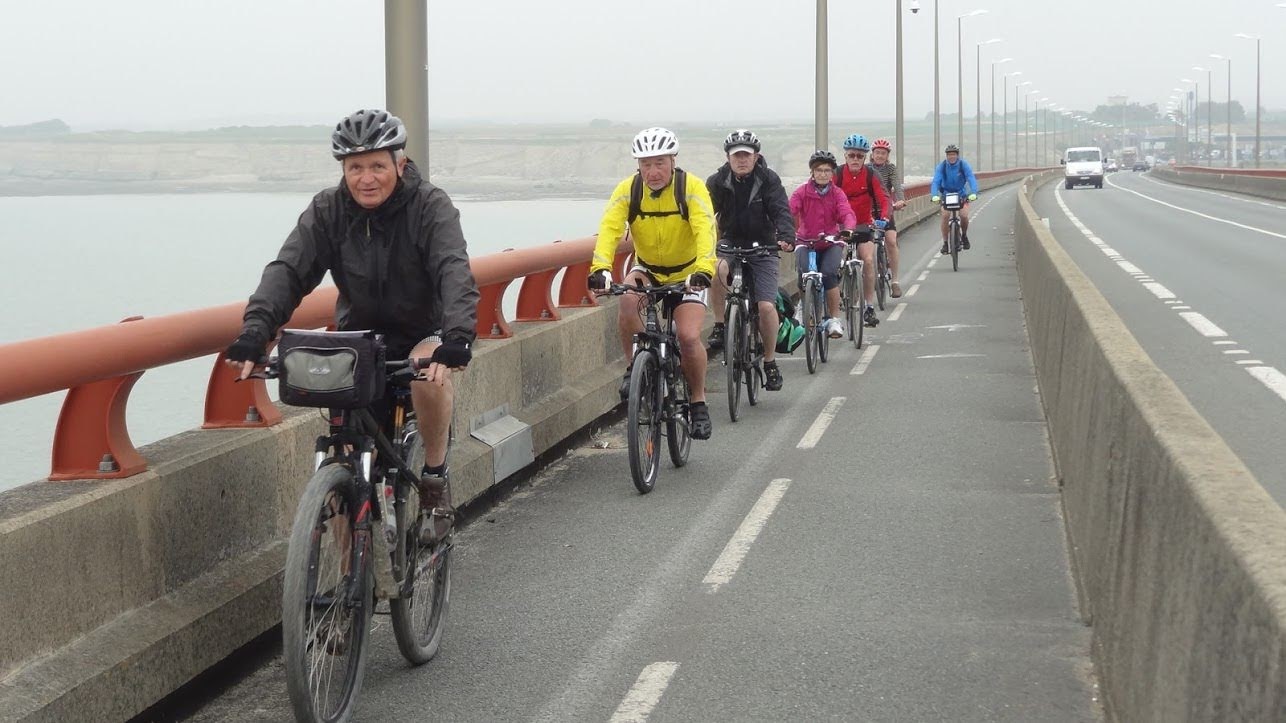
(823, 335)
(643, 421)
(753, 372)
(419, 617)
(325, 604)
(859, 312)
(734, 336)
(955, 246)
(807, 301)
(851, 304)
(881, 276)
(677, 437)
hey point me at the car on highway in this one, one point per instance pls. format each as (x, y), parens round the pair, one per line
(1083, 166)
(1111, 166)
(1140, 165)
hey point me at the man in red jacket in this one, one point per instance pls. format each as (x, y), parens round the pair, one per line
(870, 204)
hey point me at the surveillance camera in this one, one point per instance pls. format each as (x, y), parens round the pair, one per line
(915, 6)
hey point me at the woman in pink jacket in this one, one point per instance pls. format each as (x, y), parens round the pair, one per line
(821, 209)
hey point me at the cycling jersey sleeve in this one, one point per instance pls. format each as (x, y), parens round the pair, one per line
(899, 193)
(935, 186)
(447, 263)
(298, 269)
(779, 208)
(970, 179)
(611, 229)
(883, 209)
(701, 220)
(847, 219)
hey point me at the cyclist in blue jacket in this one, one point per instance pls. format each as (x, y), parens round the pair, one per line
(954, 175)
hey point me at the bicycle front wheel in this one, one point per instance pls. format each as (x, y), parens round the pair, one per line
(955, 246)
(851, 301)
(753, 373)
(807, 302)
(677, 437)
(643, 421)
(734, 336)
(881, 277)
(419, 616)
(326, 600)
(823, 334)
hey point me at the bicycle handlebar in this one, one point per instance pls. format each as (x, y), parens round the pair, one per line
(678, 287)
(397, 370)
(747, 252)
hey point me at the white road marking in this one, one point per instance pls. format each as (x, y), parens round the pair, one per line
(957, 327)
(1222, 343)
(645, 694)
(814, 433)
(1212, 193)
(865, 360)
(923, 275)
(897, 312)
(1196, 213)
(911, 291)
(933, 261)
(1204, 326)
(1235, 351)
(1159, 291)
(735, 551)
(953, 355)
(1180, 307)
(1273, 379)
(1250, 361)
(1129, 267)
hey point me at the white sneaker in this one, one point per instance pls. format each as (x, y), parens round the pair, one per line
(836, 329)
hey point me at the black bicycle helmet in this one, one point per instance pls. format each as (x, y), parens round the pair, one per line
(822, 156)
(367, 130)
(740, 137)
(953, 148)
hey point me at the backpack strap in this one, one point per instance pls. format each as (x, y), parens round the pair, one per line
(680, 184)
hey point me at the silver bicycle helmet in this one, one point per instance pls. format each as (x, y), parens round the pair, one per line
(367, 130)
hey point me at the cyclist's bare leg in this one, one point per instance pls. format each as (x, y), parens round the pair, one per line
(891, 250)
(719, 291)
(768, 323)
(433, 404)
(687, 321)
(964, 220)
(944, 215)
(832, 303)
(628, 319)
(866, 252)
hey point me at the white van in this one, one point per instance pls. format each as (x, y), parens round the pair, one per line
(1083, 167)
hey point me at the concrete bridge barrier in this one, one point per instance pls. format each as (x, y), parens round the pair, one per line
(120, 591)
(1263, 183)
(1180, 554)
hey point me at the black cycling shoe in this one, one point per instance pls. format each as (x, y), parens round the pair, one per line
(701, 426)
(435, 500)
(944, 250)
(715, 341)
(869, 318)
(625, 383)
(964, 242)
(773, 374)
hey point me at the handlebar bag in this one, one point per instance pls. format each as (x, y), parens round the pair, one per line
(336, 369)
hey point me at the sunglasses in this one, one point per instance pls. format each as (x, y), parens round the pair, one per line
(855, 154)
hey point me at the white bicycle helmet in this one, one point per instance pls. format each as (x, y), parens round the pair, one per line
(652, 142)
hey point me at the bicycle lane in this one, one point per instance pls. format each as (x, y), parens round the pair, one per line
(914, 565)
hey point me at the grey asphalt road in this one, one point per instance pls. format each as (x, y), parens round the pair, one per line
(909, 566)
(1166, 253)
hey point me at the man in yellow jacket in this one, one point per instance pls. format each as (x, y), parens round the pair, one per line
(669, 215)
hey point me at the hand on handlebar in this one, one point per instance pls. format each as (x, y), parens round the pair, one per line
(600, 280)
(698, 280)
(936, 199)
(973, 197)
(245, 352)
(846, 234)
(881, 224)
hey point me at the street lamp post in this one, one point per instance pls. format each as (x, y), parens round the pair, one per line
(1210, 97)
(1187, 115)
(1004, 116)
(406, 74)
(1016, 87)
(937, 100)
(1196, 118)
(1027, 135)
(1227, 60)
(898, 133)
(977, 86)
(1044, 145)
(993, 110)
(960, 74)
(820, 111)
(1256, 39)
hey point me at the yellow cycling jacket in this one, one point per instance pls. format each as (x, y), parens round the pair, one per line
(661, 241)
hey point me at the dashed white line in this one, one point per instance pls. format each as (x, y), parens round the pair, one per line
(923, 275)
(911, 291)
(1196, 213)
(1180, 187)
(1204, 326)
(1180, 307)
(645, 694)
(735, 551)
(1223, 343)
(865, 360)
(814, 433)
(1235, 351)
(932, 261)
(1250, 361)
(1159, 291)
(1273, 379)
(897, 312)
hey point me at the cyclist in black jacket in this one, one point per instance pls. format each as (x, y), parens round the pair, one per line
(393, 245)
(752, 207)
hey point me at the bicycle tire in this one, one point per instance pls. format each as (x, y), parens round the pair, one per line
(419, 620)
(303, 651)
(808, 314)
(643, 421)
(677, 436)
(881, 276)
(823, 336)
(732, 355)
(860, 314)
(955, 246)
(753, 374)
(851, 316)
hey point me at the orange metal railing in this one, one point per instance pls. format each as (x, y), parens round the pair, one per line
(99, 366)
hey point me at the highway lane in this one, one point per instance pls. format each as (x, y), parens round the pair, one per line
(881, 541)
(1200, 279)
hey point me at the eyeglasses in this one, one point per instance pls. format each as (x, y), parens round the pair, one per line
(855, 154)
(823, 169)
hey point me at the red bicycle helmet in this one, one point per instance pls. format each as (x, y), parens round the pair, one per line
(882, 143)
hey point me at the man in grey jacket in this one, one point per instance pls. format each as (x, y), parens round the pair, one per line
(393, 245)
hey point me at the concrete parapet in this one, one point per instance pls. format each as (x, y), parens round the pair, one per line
(1263, 186)
(1180, 553)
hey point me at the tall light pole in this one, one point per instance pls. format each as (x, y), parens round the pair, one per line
(1044, 146)
(1210, 109)
(1196, 116)
(1227, 60)
(960, 74)
(993, 109)
(406, 73)
(898, 133)
(1027, 136)
(1187, 115)
(1004, 116)
(1016, 87)
(977, 86)
(820, 112)
(937, 99)
(1256, 39)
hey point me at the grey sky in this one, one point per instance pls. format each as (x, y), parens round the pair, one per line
(197, 63)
